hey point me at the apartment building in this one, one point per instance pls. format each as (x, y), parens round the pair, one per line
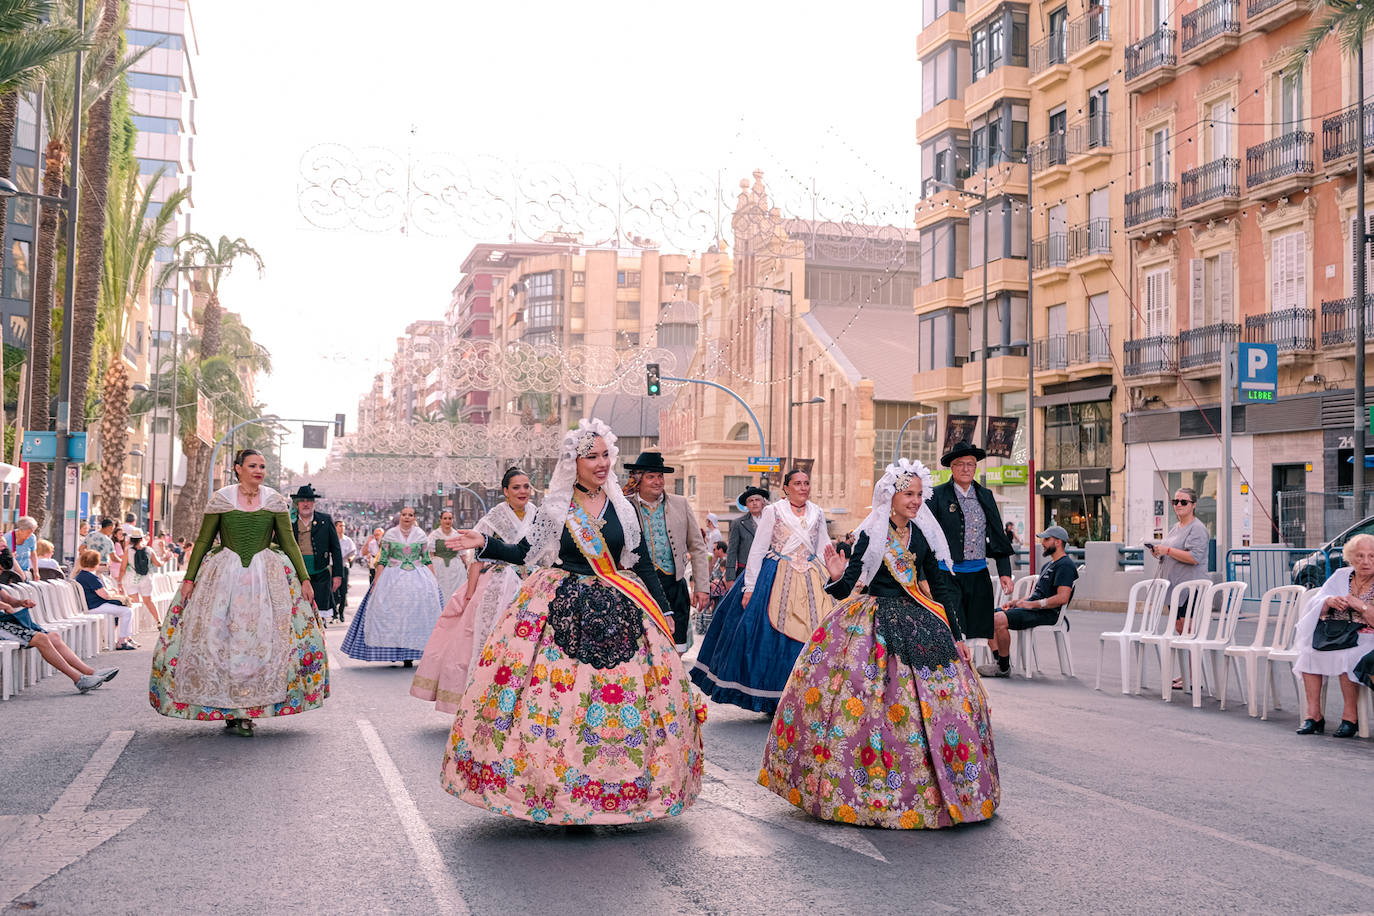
(1239, 209)
(1078, 132)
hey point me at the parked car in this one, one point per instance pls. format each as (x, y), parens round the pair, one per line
(1311, 571)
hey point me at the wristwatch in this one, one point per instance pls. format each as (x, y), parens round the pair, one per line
(1042, 603)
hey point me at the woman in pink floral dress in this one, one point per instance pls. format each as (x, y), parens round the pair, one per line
(579, 710)
(884, 722)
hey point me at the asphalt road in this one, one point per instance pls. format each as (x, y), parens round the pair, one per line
(1111, 804)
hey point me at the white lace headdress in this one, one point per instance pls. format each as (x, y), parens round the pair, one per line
(898, 478)
(547, 529)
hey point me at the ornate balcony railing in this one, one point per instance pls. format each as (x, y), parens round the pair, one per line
(1047, 52)
(1092, 26)
(1338, 321)
(1291, 329)
(1210, 20)
(1156, 201)
(1202, 346)
(1218, 178)
(1150, 355)
(1338, 134)
(1051, 251)
(1090, 238)
(1052, 352)
(1047, 152)
(1090, 346)
(1152, 51)
(1289, 154)
(1090, 133)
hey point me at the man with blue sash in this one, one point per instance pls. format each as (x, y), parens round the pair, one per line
(968, 514)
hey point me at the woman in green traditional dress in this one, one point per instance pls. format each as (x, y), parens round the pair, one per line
(244, 641)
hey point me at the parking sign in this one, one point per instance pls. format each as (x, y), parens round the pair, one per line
(1257, 372)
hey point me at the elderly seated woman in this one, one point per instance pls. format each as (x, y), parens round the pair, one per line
(1334, 633)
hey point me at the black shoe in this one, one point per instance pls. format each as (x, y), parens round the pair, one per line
(1312, 727)
(408, 663)
(1347, 729)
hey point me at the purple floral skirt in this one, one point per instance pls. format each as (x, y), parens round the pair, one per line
(883, 724)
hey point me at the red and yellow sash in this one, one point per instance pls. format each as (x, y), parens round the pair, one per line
(589, 541)
(902, 565)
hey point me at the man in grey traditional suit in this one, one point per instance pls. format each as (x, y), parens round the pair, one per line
(673, 535)
(742, 531)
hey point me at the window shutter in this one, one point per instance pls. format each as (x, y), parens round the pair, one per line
(1278, 272)
(1298, 269)
(1226, 282)
(1197, 297)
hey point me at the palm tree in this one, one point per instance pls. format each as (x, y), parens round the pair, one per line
(30, 40)
(90, 220)
(131, 240)
(59, 114)
(215, 259)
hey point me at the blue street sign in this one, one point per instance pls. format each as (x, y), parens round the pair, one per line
(765, 463)
(40, 447)
(1257, 371)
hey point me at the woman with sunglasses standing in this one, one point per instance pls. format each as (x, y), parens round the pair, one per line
(1182, 554)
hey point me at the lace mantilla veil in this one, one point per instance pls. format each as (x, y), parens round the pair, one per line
(898, 478)
(547, 529)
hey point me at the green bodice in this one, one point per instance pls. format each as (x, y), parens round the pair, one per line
(247, 534)
(444, 552)
(405, 556)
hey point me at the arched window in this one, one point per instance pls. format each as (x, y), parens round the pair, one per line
(740, 433)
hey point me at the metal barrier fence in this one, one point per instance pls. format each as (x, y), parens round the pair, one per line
(1311, 518)
(1263, 568)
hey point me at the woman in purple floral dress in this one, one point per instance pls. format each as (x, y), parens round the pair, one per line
(884, 722)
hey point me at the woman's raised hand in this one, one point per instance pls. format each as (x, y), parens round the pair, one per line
(466, 539)
(834, 562)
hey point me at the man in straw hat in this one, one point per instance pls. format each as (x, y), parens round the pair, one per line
(671, 530)
(968, 513)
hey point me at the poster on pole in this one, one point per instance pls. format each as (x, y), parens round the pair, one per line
(205, 420)
(959, 428)
(1001, 435)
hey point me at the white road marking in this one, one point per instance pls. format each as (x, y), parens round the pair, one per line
(1284, 855)
(417, 831)
(38, 846)
(744, 796)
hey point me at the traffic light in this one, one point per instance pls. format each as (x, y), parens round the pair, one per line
(338, 425)
(439, 488)
(652, 379)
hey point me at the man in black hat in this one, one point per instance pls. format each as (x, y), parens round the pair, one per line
(319, 544)
(671, 530)
(742, 530)
(973, 526)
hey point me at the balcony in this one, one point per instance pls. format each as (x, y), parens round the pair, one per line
(1049, 158)
(1151, 61)
(947, 115)
(940, 384)
(1338, 324)
(1292, 330)
(1150, 358)
(1211, 30)
(1267, 15)
(952, 26)
(1048, 61)
(1090, 37)
(1006, 372)
(1092, 239)
(1006, 82)
(1200, 348)
(1090, 136)
(1151, 209)
(1339, 138)
(1050, 253)
(1090, 346)
(1280, 166)
(1210, 190)
(1052, 353)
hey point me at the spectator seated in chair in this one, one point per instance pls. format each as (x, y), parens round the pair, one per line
(99, 600)
(1333, 637)
(1053, 590)
(16, 623)
(45, 566)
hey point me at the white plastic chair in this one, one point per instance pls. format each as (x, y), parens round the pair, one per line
(9, 661)
(1283, 652)
(1186, 597)
(1144, 604)
(1020, 588)
(1276, 607)
(72, 608)
(1214, 629)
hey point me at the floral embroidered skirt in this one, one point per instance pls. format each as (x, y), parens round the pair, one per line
(456, 643)
(578, 712)
(883, 724)
(743, 660)
(244, 646)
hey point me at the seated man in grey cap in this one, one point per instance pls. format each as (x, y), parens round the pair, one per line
(1053, 590)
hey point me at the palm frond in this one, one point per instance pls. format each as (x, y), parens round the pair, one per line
(26, 56)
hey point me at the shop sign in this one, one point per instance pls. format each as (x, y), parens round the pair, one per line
(1007, 475)
(1084, 481)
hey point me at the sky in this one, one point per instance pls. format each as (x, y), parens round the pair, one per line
(805, 91)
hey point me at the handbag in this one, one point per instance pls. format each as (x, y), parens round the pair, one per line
(1336, 633)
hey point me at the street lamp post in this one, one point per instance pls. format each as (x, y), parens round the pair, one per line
(897, 449)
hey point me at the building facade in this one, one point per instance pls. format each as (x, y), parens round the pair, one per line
(1240, 210)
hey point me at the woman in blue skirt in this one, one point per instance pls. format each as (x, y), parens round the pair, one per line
(764, 620)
